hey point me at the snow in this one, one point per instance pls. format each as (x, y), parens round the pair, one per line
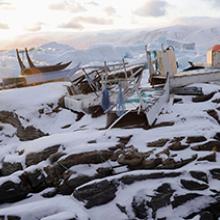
(47, 209)
(190, 119)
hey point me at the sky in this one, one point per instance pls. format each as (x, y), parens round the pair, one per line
(22, 17)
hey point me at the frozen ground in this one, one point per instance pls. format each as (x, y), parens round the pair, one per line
(70, 167)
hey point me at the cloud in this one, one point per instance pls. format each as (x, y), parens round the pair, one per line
(5, 5)
(72, 24)
(110, 10)
(94, 20)
(93, 3)
(79, 22)
(153, 8)
(4, 26)
(71, 6)
(35, 27)
(197, 21)
(215, 3)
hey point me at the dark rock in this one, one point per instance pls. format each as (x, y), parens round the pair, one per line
(9, 168)
(12, 192)
(13, 217)
(95, 111)
(160, 200)
(150, 164)
(131, 158)
(163, 124)
(24, 134)
(54, 174)
(92, 142)
(125, 140)
(206, 216)
(210, 157)
(199, 175)
(35, 180)
(96, 194)
(66, 126)
(203, 98)
(104, 171)
(68, 186)
(172, 164)
(176, 139)
(164, 188)
(193, 185)
(56, 156)
(176, 146)
(158, 143)
(92, 157)
(217, 101)
(179, 200)
(195, 139)
(214, 114)
(130, 179)
(217, 136)
(215, 173)
(140, 208)
(29, 133)
(35, 158)
(122, 208)
(177, 100)
(50, 194)
(10, 118)
(208, 146)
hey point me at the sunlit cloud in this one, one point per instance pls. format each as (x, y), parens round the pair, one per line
(154, 8)
(71, 6)
(35, 27)
(110, 10)
(6, 5)
(4, 26)
(72, 24)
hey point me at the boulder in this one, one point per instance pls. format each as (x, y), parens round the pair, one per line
(215, 173)
(68, 186)
(9, 168)
(179, 200)
(199, 175)
(35, 180)
(195, 139)
(12, 192)
(193, 185)
(210, 157)
(92, 157)
(208, 146)
(214, 114)
(140, 208)
(158, 143)
(124, 140)
(177, 146)
(29, 133)
(36, 157)
(203, 98)
(130, 179)
(97, 193)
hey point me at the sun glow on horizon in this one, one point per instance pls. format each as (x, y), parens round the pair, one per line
(19, 18)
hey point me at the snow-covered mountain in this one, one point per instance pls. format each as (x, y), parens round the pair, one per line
(190, 43)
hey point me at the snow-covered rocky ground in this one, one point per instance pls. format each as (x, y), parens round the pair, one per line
(57, 164)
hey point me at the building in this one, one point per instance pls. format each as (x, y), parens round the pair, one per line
(213, 56)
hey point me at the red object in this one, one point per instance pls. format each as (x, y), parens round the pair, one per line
(216, 48)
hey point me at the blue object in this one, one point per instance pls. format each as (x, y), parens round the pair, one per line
(120, 105)
(105, 99)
